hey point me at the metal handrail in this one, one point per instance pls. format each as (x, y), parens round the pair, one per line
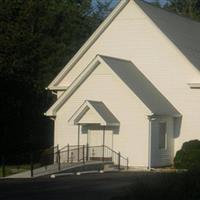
(53, 158)
(115, 152)
(86, 153)
(70, 146)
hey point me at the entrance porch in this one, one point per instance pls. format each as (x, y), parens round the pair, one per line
(95, 120)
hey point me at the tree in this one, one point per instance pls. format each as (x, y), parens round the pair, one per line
(37, 38)
(156, 3)
(188, 8)
(189, 156)
(103, 8)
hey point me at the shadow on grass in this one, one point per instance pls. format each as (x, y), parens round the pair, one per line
(164, 186)
(14, 169)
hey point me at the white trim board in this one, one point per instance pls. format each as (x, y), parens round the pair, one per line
(88, 44)
(139, 85)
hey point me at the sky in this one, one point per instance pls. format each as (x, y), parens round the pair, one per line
(161, 1)
(115, 1)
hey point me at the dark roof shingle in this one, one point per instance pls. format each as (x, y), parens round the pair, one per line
(182, 31)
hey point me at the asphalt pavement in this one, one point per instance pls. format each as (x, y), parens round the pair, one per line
(105, 186)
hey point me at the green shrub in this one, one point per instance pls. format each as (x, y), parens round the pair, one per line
(189, 156)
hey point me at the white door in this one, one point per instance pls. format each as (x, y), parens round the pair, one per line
(109, 138)
(95, 141)
(95, 138)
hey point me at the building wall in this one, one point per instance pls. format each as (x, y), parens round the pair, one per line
(102, 85)
(90, 116)
(133, 36)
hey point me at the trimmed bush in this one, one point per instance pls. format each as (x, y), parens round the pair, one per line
(189, 156)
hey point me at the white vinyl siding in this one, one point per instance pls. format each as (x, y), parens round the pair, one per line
(133, 36)
(123, 103)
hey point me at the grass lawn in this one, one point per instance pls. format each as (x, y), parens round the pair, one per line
(13, 169)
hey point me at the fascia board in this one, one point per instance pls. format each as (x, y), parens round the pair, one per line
(75, 84)
(88, 43)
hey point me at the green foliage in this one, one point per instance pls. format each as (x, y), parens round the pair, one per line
(103, 7)
(37, 38)
(188, 8)
(156, 3)
(189, 156)
(14, 169)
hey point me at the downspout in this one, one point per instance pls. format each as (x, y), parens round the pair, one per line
(151, 118)
(103, 143)
(78, 141)
(149, 148)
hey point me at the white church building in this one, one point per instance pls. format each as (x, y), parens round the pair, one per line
(134, 86)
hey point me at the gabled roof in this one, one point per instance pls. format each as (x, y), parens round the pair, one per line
(131, 76)
(88, 44)
(183, 32)
(105, 115)
(141, 86)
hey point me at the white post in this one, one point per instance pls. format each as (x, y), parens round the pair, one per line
(151, 118)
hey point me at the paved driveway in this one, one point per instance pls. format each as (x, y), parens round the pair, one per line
(84, 187)
(108, 186)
